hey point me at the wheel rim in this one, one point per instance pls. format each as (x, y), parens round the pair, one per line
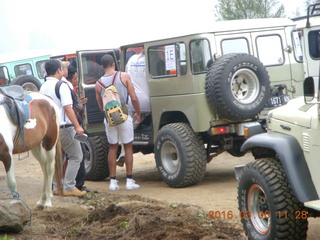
(29, 87)
(170, 157)
(258, 205)
(87, 158)
(245, 86)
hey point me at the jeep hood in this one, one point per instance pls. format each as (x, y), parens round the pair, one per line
(296, 111)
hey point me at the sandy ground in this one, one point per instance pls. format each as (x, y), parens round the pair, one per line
(217, 191)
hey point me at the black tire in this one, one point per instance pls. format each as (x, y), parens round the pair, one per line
(237, 86)
(267, 205)
(96, 159)
(28, 83)
(236, 149)
(180, 155)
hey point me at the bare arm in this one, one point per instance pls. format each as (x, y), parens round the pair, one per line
(134, 99)
(72, 116)
(98, 97)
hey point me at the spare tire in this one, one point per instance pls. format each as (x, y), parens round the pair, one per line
(237, 86)
(28, 83)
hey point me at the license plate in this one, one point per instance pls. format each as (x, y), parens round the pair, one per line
(277, 101)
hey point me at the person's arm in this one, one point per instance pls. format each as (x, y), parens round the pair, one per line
(134, 99)
(66, 101)
(72, 116)
(98, 97)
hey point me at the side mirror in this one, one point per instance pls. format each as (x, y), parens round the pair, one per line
(308, 89)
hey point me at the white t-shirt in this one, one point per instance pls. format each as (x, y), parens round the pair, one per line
(48, 88)
(66, 80)
(136, 68)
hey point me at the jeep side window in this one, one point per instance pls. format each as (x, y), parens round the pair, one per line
(40, 68)
(200, 56)
(270, 50)
(314, 44)
(162, 60)
(183, 59)
(235, 45)
(297, 48)
(4, 76)
(23, 69)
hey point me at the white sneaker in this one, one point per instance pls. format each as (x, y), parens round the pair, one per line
(113, 185)
(131, 185)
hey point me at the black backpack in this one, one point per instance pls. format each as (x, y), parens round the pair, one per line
(76, 105)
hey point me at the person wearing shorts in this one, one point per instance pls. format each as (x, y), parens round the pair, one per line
(125, 89)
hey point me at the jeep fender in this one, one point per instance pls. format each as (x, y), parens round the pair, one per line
(292, 159)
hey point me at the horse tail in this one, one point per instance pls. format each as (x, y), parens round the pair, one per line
(58, 165)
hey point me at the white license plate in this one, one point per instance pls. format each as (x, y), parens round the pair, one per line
(277, 101)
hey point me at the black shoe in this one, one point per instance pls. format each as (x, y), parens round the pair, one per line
(84, 188)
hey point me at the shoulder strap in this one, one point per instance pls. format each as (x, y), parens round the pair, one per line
(57, 88)
(101, 84)
(114, 77)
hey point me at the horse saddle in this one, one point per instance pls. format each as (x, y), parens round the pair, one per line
(16, 102)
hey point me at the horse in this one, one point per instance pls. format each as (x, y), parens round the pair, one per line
(40, 134)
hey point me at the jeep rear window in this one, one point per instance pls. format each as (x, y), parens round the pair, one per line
(200, 56)
(40, 68)
(4, 76)
(297, 48)
(162, 60)
(92, 70)
(235, 45)
(314, 44)
(270, 50)
(23, 69)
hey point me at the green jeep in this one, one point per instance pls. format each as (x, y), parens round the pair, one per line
(205, 89)
(24, 69)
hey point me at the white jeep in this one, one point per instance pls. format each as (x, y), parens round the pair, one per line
(280, 190)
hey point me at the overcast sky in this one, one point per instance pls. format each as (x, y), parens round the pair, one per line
(69, 25)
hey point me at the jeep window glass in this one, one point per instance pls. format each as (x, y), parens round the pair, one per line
(92, 70)
(23, 69)
(270, 50)
(183, 59)
(162, 61)
(236, 45)
(297, 48)
(40, 68)
(314, 44)
(4, 76)
(200, 56)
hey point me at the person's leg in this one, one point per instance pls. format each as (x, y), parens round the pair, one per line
(81, 175)
(112, 157)
(112, 135)
(130, 184)
(126, 135)
(73, 149)
(128, 158)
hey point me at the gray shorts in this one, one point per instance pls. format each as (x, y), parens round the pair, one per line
(124, 131)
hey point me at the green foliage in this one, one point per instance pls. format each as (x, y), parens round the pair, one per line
(124, 225)
(248, 9)
(5, 238)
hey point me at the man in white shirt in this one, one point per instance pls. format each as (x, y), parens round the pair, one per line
(69, 126)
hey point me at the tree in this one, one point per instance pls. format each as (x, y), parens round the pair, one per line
(243, 9)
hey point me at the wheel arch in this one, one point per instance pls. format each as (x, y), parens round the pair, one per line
(289, 152)
(172, 117)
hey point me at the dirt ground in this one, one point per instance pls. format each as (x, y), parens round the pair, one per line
(155, 211)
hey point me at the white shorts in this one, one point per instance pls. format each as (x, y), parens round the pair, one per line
(124, 131)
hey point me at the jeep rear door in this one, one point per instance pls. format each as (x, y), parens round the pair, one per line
(89, 71)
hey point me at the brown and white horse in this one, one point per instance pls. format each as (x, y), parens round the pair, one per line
(41, 136)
